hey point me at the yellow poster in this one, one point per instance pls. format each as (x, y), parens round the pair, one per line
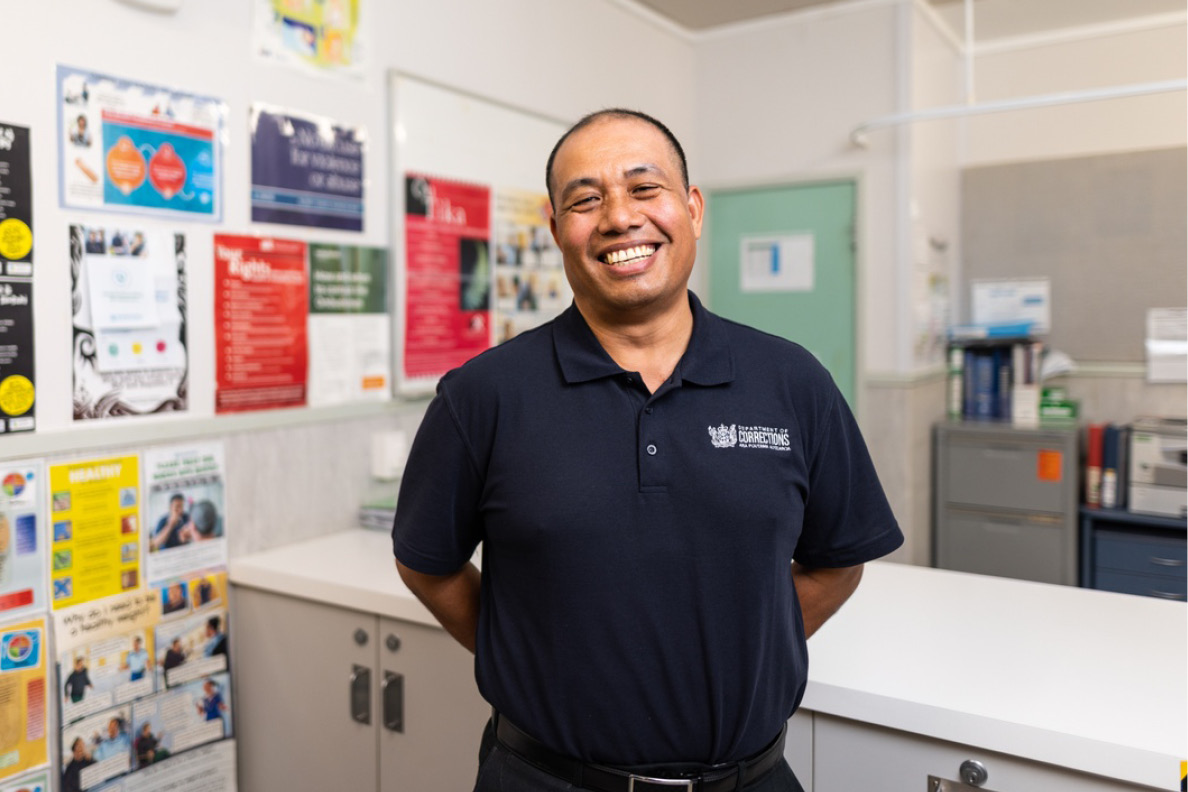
(22, 697)
(95, 513)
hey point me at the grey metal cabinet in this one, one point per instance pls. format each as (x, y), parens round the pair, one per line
(1133, 553)
(330, 698)
(1005, 500)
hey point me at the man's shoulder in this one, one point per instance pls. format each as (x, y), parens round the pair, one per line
(521, 360)
(760, 350)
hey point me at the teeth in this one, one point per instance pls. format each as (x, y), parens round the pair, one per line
(630, 254)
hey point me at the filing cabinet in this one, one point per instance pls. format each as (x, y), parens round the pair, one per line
(1005, 500)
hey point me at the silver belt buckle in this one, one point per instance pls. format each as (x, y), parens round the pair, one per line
(675, 783)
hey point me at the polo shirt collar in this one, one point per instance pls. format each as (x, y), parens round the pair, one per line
(707, 360)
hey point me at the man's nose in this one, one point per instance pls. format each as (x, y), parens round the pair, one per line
(619, 215)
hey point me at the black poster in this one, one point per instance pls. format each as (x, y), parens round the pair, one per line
(16, 205)
(16, 356)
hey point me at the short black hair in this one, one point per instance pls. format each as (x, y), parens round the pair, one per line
(177, 496)
(617, 112)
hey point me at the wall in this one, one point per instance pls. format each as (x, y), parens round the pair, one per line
(299, 473)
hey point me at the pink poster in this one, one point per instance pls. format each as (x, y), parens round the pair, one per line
(261, 303)
(449, 274)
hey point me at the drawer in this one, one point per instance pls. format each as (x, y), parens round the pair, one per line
(1141, 553)
(1146, 585)
(1026, 547)
(1025, 476)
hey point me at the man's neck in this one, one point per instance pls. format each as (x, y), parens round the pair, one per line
(650, 343)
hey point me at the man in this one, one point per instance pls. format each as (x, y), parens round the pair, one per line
(116, 743)
(169, 528)
(78, 681)
(175, 655)
(647, 585)
(137, 660)
(216, 639)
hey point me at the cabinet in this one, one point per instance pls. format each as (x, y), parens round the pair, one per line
(1006, 500)
(1134, 553)
(330, 698)
(849, 755)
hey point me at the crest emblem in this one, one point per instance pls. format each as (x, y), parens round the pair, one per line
(724, 436)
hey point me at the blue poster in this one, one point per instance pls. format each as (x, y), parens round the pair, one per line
(306, 171)
(131, 147)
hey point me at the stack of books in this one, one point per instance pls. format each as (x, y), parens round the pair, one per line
(1106, 468)
(994, 373)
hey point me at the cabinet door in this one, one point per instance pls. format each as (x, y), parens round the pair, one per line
(440, 715)
(848, 755)
(293, 662)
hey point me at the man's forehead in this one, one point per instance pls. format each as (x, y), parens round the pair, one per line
(650, 140)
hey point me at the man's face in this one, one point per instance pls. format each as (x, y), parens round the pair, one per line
(176, 506)
(626, 226)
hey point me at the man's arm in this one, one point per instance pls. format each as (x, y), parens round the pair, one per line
(822, 591)
(452, 599)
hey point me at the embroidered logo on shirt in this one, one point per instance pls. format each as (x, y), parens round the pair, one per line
(768, 437)
(724, 436)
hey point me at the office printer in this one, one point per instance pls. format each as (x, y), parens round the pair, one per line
(1159, 466)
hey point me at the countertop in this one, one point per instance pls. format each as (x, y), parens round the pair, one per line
(1083, 679)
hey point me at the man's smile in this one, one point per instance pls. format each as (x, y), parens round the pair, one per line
(629, 255)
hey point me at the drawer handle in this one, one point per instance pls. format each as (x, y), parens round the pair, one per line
(360, 694)
(1167, 562)
(392, 695)
(1168, 595)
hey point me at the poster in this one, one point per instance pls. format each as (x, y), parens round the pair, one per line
(95, 534)
(33, 782)
(17, 392)
(146, 692)
(448, 271)
(23, 727)
(313, 35)
(349, 324)
(22, 541)
(306, 170)
(530, 284)
(261, 306)
(128, 284)
(185, 510)
(132, 147)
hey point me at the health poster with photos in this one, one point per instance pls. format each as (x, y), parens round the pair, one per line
(141, 686)
(349, 324)
(306, 170)
(23, 674)
(530, 284)
(185, 510)
(261, 307)
(23, 576)
(128, 146)
(448, 274)
(95, 536)
(33, 782)
(318, 37)
(128, 284)
(17, 391)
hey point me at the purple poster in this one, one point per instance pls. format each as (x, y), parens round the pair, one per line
(306, 170)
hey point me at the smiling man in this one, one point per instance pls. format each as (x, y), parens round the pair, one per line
(669, 504)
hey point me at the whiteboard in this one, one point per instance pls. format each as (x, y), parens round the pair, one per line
(443, 132)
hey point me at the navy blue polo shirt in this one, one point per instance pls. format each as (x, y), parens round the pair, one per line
(637, 603)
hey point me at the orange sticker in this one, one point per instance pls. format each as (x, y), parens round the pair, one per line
(1048, 465)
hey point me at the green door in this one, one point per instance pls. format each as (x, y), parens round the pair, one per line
(782, 260)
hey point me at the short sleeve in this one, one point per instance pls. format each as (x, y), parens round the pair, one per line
(437, 526)
(847, 520)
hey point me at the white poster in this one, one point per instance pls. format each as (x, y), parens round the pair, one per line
(1012, 301)
(185, 510)
(777, 263)
(22, 540)
(530, 284)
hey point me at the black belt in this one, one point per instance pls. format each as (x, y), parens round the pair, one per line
(588, 775)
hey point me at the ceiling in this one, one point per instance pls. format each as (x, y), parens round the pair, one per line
(993, 19)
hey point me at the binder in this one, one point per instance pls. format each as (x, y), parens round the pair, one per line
(1093, 465)
(1109, 467)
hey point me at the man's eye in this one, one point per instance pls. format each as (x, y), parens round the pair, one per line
(645, 190)
(583, 203)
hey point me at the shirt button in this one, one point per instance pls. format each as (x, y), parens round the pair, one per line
(651, 449)
(648, 410)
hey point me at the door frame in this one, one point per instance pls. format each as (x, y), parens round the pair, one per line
(860, 232)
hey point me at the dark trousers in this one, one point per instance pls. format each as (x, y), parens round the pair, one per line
(502, 771)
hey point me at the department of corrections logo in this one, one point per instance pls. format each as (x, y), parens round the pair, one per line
(723, 436)
(768, 437)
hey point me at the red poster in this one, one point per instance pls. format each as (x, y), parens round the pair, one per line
(261, 302)
(447, 313)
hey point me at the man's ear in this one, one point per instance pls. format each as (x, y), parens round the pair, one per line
(696, 205)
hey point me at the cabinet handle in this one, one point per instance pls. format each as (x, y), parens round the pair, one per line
(360, 694)
(392, 695)
(1168, 595)
(1167, 562)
